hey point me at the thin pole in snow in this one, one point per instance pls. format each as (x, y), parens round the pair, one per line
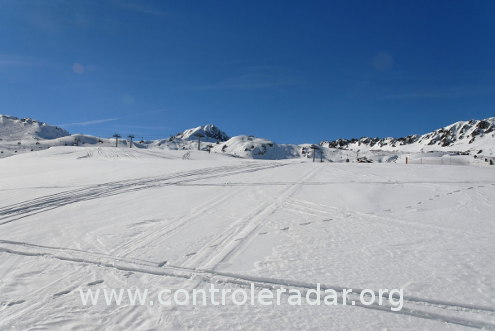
(199, 135)
(314, 148)
(116, 136)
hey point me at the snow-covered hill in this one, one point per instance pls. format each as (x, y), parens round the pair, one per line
(16, 129)
(257, 148)
(209, 133)
(463, 136)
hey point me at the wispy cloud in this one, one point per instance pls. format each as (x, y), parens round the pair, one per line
(105, 120)
(92, 122)
(14, 60)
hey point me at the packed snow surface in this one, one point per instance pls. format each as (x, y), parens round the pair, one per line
(76, 218)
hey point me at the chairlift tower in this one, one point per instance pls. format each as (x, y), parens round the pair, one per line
(314, 148)
(131, 136)
(199, 135)
(116, 136)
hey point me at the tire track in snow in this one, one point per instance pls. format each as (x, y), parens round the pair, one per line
(413, 306)
(85, 193)
(24, 209)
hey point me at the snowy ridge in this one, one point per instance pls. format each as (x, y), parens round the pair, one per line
(13, 128)
(461, 136)
(208, 132)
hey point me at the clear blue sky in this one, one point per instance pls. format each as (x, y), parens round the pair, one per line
(290, 71)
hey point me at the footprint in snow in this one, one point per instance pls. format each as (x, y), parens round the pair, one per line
(11, 303)
(213, 246)
(161, 264)
(305, 223)
(419, 203)
(470, 188)
(284, 229)
(61, 293)
(96, 282)
(191, 254)
(262, 233)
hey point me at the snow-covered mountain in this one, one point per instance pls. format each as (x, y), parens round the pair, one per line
(474, 138)
(468, 137)
(208, 132)
(15, 129)
(463, 136)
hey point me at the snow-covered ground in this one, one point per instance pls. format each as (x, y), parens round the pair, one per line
(100, 217)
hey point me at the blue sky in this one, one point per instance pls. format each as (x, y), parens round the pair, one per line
(290, 71)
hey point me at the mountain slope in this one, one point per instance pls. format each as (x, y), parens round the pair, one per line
(15, 129)
(208, 132)
(461, 136)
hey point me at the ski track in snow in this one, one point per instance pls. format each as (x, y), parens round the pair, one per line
(240, 233)
(35, 206)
